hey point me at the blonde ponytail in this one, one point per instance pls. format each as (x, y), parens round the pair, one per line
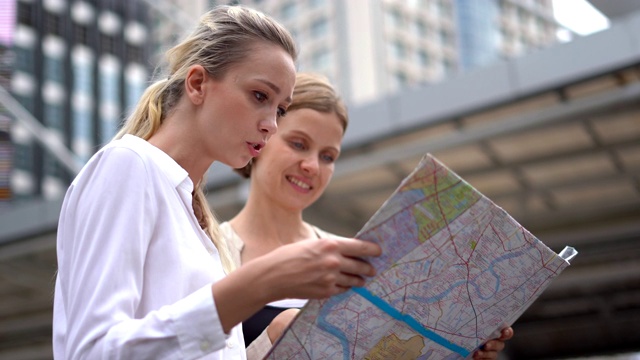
(147, 116)
(211, 226)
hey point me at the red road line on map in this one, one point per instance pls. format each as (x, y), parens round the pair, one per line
(502, 241)
(455, 247)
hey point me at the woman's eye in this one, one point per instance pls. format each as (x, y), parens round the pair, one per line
(260, 96)
(282, 112)
(297, 145)
(327, 158)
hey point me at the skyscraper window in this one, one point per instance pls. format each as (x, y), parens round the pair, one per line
(443, 38)
(418, 29)
(54, 116)
(394, 18)
(53, 25)
(317, 3)
(423, 58)
(107, 44)
(399, 79)
(321, 60)
(25, 13)
(24, 59)
(319, 28)
(134, 53)
(80, 34)
(398, 50)
(54, 69)
(25, 100)
(23, 156)
(289, 10)
(448, 66)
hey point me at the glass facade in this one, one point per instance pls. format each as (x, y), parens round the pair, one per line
(135, 84)
(476, 22)
(109, 97)
(81, 109)
(68, 73)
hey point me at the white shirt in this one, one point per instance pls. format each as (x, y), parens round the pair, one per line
(134, 267)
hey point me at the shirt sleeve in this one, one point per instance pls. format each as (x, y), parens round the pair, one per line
(105, 229)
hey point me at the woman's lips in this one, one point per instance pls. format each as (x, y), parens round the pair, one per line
(254, 148)
(302, 185)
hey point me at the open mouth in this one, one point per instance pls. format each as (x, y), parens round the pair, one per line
(255, 148)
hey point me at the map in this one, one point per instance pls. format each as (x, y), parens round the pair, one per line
(455, 270)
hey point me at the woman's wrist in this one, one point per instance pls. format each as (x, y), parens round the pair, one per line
(238, 295)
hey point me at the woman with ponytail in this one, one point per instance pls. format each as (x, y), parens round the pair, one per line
(142, 270)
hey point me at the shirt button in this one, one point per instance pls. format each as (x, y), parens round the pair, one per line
(231, 344)
(205, 345)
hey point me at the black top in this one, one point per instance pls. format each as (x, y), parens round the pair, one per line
(255, 325)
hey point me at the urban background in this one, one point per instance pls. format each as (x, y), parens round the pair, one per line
(540, 114)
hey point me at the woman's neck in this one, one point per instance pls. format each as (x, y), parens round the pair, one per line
(263, 224)
(180, 144)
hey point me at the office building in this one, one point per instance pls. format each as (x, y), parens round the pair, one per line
(78, 67)
(170, 20)
(373, 48)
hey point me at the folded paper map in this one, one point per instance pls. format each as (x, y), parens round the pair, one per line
(454, 271)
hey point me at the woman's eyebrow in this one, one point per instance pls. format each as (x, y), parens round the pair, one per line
(275, 88)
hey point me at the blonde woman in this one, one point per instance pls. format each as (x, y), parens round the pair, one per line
(141, 265)
(289, 175)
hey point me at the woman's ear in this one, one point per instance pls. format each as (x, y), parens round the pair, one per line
(193, 83)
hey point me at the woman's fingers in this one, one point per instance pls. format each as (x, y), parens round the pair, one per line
(358, 248)
(491, 348)
(355, 266)
(351, 252)
(489, 351)
(348, 280)
(506, 334)
(322, 268)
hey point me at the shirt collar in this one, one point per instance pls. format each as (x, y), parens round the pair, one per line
(176, 175)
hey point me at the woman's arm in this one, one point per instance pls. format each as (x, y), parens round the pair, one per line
(312, 269)
(263, 343)
(105, 231)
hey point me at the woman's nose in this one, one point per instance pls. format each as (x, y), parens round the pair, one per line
(310, 165)
(269, 126)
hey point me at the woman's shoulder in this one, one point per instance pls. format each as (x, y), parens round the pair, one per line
(127, 150)
(112, 159)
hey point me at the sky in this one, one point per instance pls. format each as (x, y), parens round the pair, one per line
(579, 16)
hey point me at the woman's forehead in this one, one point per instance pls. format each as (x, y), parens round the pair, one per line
(313, 122)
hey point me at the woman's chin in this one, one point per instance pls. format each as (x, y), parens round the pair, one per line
(238, 163)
